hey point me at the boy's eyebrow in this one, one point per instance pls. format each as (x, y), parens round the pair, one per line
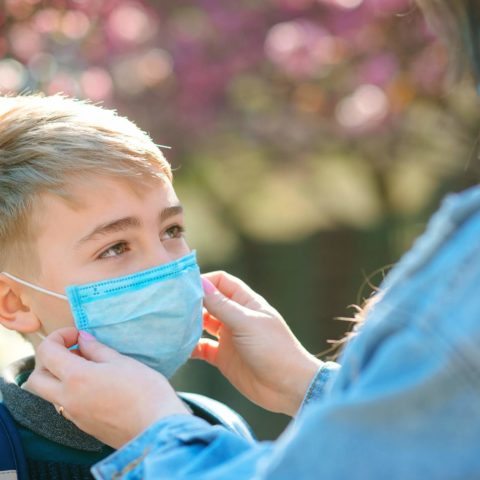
(126, 223)
(170, 212)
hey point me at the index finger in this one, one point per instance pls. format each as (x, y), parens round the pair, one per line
(54, 355)
(235, 289)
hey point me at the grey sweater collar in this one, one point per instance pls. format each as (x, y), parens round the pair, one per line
(39, 415)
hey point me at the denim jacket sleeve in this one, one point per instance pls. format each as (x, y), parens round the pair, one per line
(319, 385)
(405, 405)
(182, 432)
(180, 447)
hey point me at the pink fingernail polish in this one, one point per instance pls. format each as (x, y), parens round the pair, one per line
(86, 336)
(208, 286)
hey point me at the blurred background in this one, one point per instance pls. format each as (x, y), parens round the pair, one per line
(311, 139)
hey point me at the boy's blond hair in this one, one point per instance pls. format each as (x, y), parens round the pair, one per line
(46, 144)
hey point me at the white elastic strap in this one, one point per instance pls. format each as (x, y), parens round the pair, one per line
(35, 287)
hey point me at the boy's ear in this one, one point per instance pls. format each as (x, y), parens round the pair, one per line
(14, 314)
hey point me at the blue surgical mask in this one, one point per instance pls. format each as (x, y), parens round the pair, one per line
(154, 316)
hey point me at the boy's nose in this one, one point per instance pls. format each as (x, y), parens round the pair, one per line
(159, 255)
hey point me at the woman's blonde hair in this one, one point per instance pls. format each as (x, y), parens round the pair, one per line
(46, 143)
(457, 22)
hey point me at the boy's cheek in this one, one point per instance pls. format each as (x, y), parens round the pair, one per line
(55, 315)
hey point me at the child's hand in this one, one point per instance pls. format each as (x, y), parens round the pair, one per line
(108, 395)
(256, 350)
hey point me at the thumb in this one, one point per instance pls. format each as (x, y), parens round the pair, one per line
(92, 349)
(223, 308)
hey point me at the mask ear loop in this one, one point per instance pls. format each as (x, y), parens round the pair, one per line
(42, 290)
(35, 287)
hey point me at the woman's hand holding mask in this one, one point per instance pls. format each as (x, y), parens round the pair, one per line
(255, 350)
(108, 395)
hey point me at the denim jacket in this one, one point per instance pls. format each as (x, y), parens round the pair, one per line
(405, 404)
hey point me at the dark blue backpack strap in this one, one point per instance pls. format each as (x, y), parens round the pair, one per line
(13, 464)
(217, 413)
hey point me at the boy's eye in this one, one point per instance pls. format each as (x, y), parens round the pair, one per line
(114, 250)
(175, 231)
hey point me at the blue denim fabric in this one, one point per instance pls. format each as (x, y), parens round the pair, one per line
(320, 383)
(405, 405)
(182, 439)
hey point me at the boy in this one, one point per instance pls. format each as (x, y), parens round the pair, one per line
(85, 196)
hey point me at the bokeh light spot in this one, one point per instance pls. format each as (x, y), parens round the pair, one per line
(24, 41)
(12, 75)
(302, 48)
(75, 24)
(347, 4)
(47, 20)
(96, 83)
(130, 23)
(365, 108)
(154, 67)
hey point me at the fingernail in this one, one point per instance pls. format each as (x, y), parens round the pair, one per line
(86, 336)
(208, 286)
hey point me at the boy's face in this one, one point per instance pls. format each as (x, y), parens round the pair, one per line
(114, 231)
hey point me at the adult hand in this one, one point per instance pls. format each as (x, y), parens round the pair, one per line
(255, 350)
(108, 395)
